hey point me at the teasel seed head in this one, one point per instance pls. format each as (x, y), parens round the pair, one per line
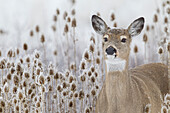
(20, 95)
(51, 72)
(68, 19)
(73, 87)
(37, 29)
(168, 47)
(56, 76)
(98, 60)
(81, 94)
(73, 12)
(93, 92)
(42, 38)
(165, 20)
(86, 55)
(29, 91)
(38, 104)
(55, 52)
(58, 12)
(9, 76)
(71, 104)
(89, 73)
(112, 17)
(147, 28)
(15, 90)
(83, 78)
(91, 48)
(92, 69)
(155, 19)
(75, 94)
(115, 24)
(55, 18)
(160, 51)
(41, 80)
(135, 49)
(145, 38)
(87, 110)
(2, 103)
(65, 15)
(25, 47)
(59, 88)
(31, 33)
(93, 79)
(66, 28)
(16, 80)
(74, 23)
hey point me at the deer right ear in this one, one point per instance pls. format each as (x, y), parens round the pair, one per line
(99, 25)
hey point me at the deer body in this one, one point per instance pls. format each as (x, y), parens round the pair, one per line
(124, 90)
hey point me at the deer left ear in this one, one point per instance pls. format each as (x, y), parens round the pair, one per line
(99, 25)
(136, 26)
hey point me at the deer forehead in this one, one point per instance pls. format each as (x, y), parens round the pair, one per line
(117, 33)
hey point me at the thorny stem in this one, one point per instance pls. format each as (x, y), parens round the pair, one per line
(67, 52)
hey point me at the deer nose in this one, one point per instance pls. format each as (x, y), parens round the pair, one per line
(110, 50)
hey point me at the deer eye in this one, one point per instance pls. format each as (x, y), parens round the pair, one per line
(123, 40)
(105, 38)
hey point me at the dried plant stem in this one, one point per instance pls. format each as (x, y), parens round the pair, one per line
(135, 59)
(67, 52)
(20, 104)
(45, 58)
(42, 94)
(169, 68)
(145, 53)
(74, 41)
(2, 78)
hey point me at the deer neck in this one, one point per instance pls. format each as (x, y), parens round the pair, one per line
(117, 81)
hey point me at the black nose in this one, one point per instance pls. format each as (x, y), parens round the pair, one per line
(110, 50)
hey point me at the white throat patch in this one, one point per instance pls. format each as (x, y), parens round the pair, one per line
(115, 64)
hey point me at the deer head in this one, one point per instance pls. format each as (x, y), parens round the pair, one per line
(117, 41)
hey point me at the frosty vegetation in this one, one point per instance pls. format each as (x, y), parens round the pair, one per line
(51, 75)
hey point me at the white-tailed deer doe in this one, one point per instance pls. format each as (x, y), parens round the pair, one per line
(124, 90)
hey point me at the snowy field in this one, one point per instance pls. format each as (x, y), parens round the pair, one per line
(51, 58)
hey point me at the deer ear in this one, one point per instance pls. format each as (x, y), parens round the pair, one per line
(99, 25)
(136, 26)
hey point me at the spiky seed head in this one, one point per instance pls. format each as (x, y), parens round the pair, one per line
(168, 47)
(73, 12)
(37, 29)
(29, 91)
(81, 94)
(15, 90)
(56, 76)
(25, 46)
(115, 24)
(65, 15)
(31, 33)
(68, 19)
(71, 104)
(145, 38)
(89, 73)
(42, 38)
(155, 19)
(135, 49)
(92, 69)
(112, 17)
(93, 79)
(20, 95)
(58, 12)
(73, 87)
(93, 92)
(160, 51)
(74, 23)
(41, 80)
(66, 28)
(86, 55)
(9, 76)
(91, 48)
(165, 20)
(55, 18)
(147, 28)
(97, 60)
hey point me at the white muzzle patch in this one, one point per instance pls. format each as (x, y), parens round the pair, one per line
(115, 64)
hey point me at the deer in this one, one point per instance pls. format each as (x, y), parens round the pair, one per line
(136, 90)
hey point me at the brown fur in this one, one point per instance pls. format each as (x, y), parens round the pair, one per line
(150, 80)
